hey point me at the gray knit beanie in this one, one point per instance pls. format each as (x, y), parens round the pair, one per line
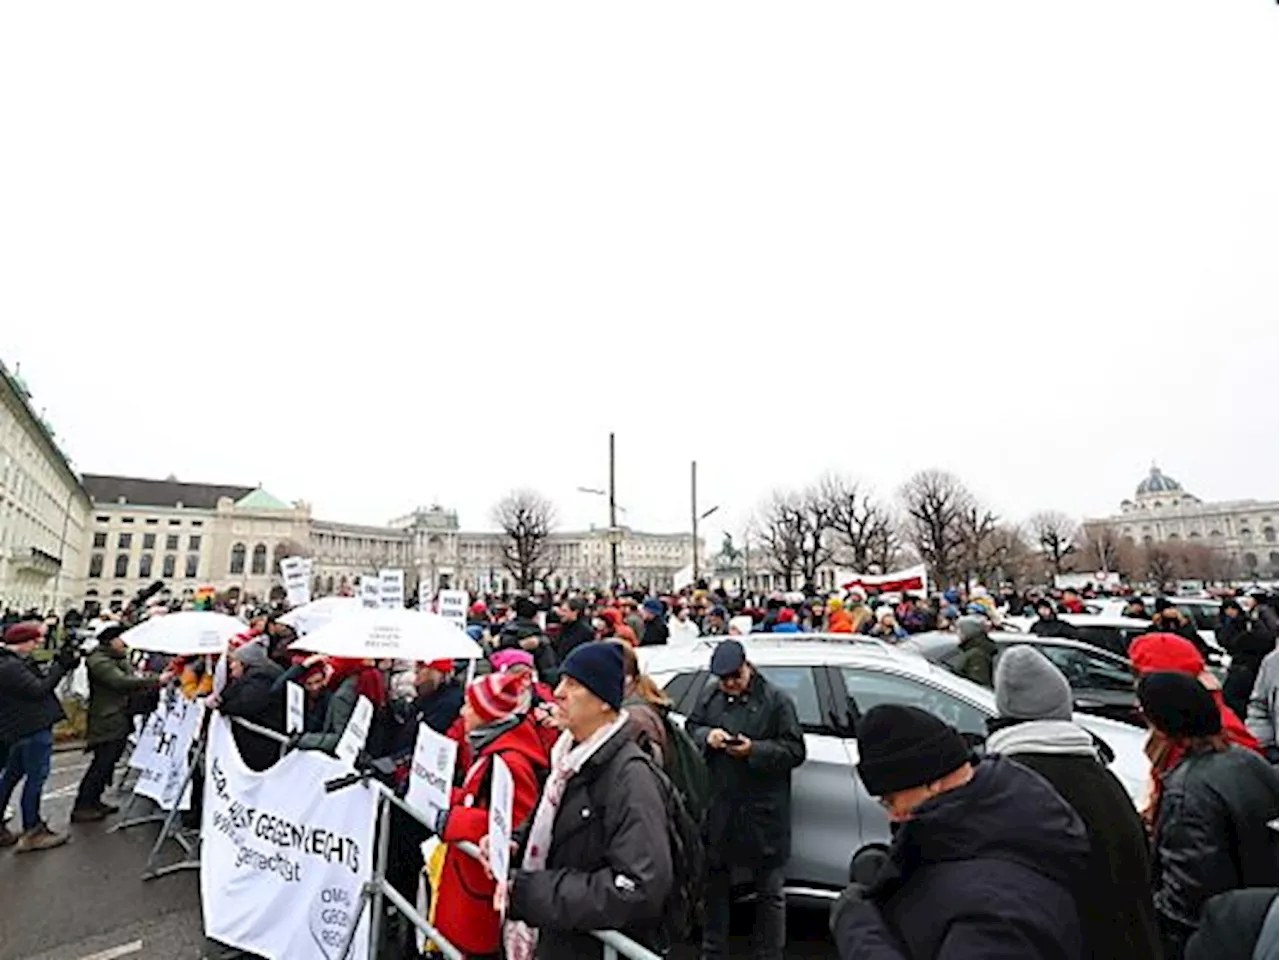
(1029, 687)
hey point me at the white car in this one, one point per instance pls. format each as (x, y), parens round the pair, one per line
(833, 679)
(1110, 631)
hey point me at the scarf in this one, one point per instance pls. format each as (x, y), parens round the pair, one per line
(567, 760)
(1056, 737)
(481, 737)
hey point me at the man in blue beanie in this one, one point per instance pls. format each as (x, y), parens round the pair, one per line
(596, 853)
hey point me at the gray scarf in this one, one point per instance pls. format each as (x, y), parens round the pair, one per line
(1060, 737)
(481, 737)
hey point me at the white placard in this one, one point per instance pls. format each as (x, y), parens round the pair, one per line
(282, 862)
(501, 797)
(431, 776)
(370, 591)
(167, 741)
(424, 596)
(296, 573)
(295, 708)
(145, 753)
(391, 589)
(453, 607)
(357, 732)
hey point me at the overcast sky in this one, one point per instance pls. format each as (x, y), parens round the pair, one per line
(380, 256)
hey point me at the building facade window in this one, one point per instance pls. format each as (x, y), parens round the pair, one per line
(99, 541)
(260, 559)
(95, 565)
(175, 523)
(193, 564)
(144, 566)
(122, 565)
(148, 541)
(126, 519)
(171, 542)
(124, 541)
(193, 543)
(237, 558)
(170, 565)
(151, 521)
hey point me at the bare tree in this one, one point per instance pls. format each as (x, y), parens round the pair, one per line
(795, 530)
(1161, 564)
(1102, 548)
(937, 506)
(865, 533)
(527, 518)
(985, 543)
(1055, 534)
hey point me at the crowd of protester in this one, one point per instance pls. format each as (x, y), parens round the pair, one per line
(628, 820)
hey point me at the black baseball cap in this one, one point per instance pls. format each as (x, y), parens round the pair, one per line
(728, 658)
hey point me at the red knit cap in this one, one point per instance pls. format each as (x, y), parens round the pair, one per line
(23, 632)
(497, 696)
(786, 615)
(1165, 653)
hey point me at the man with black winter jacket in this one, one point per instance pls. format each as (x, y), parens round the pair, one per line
(749, 733)
(984, 859)
(28, 711)
(574, 631)
(523, 632)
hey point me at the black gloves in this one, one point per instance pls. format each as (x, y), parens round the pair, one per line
(853, 894)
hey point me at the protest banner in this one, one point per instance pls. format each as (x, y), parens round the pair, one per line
(283, 863)
(295, 708)
(296, 573)
(370, 591)
(453, 607)
(166, 768)
(146, 752)
(431, 775)
(909, 580)
(356, 734)
(501, 797)
(424, 596)
(391, 589)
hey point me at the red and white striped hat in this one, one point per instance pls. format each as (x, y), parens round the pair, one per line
(497, 696)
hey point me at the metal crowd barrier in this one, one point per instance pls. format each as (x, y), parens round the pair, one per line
(378, 889)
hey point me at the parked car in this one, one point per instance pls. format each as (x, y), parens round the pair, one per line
(1109, 631)
(1102, 682)
(834, 679)
(1201, 611)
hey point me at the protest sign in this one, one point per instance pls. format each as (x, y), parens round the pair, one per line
(391, 589)
(501, 796)
(295, 708)
(453, 607)
(168, 742)
(424, 596)
(354, 736)
(370, 591)
(296, 573)
(431, 775)
(282, 862)
(146, 751)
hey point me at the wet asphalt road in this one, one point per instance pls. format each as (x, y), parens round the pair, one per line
(87, 901)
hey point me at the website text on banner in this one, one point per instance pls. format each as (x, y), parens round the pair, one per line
(453, 607)
(283, 863)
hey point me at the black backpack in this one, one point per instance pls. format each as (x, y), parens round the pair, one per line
(682, 910)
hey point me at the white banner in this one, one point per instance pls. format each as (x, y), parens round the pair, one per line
(501, 796)
(909, 580)
(296, 573)
(282, 862)
(145, 754)
(431, 775)
(295, 708)
(356, 733)
(391, 589)
(453, 607)
(166, 772)
(370, 591)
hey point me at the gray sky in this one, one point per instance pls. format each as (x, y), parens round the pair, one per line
(376, 257)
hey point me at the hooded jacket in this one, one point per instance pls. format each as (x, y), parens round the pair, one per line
(1211, 833)
(983, 871)
(978, 652)
(609, 863)
(464, 912)
(111, 681)
(1261, 715)
(1117, 918)
(254, 697)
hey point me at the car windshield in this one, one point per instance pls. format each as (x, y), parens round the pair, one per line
(1203, 615)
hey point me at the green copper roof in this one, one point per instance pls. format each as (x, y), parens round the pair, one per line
(259, 499)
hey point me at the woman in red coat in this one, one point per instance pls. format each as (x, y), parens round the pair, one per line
(496, 718)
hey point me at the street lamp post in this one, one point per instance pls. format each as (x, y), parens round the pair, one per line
(693, 504)
(615, 535)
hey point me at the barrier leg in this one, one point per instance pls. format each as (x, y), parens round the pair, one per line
(152, 871)
(610, 953)
(379, 874)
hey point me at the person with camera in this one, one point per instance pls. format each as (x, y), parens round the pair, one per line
(29, 708)
(112, 685)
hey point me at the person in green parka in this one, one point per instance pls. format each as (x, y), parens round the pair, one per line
(111, 682)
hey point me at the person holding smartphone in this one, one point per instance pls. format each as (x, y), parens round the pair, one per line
(751, 738)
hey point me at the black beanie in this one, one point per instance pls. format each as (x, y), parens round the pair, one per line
(901, 747)
(1178, 705)
(526, 609)
(598, 667)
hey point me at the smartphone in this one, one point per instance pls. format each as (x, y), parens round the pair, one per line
(736, 740)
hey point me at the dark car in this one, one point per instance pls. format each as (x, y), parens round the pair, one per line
(1102, 682)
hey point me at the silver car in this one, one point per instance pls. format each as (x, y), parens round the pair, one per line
(833, 679)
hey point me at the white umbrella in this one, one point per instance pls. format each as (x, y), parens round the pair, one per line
(312, 616)
(390, 635)
(185, 634)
